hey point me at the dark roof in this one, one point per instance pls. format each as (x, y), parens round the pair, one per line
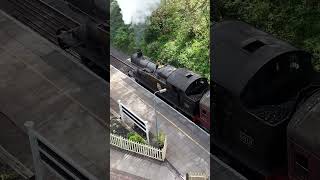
(182, 78)
(240, 50)
(304, 126)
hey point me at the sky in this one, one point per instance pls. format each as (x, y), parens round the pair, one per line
(136, 12)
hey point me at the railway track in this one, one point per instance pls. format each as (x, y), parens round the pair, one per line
(122, 65)
(47, 21)
(43, 19)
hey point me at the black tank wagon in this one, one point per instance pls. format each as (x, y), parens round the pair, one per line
(259, 82)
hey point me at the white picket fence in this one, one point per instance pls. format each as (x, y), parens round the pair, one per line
(143, 149)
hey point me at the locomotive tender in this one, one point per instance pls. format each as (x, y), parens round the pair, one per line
(186, 91)
(262, 84)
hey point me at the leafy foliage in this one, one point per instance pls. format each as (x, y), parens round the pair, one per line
(177, 33)
(295, 21)
(133, 136)
(161, 139)
(7, 173)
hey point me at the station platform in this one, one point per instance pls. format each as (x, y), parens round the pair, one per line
(131, 166)
(188, 145)
(41, 83)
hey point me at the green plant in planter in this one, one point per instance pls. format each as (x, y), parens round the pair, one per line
(133, 136)
(160, 140)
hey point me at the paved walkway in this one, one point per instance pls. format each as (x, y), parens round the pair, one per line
(121, 175)
(140, 167)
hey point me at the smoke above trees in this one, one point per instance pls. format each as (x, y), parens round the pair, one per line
(136, 13)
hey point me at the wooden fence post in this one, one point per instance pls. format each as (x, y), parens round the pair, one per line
(34, 150)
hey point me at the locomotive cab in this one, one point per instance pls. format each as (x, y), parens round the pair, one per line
(276, 87)
(189, 87)
(257, 89)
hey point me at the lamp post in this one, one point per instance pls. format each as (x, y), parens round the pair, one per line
(154, 104)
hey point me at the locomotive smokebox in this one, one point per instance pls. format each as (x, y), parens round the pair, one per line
(258, 82)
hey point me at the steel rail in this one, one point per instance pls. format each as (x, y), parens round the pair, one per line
(124, 64)
(41, 18)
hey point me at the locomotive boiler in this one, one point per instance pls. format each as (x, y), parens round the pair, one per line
(186, 90)
(262, 84)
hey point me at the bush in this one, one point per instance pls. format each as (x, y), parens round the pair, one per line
(133, 136)
(161, 139)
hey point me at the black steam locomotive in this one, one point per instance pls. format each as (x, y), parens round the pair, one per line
(186, 91)
(91, 39)
(266, 94)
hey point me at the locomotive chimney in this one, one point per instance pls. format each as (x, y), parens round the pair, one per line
(139, 53)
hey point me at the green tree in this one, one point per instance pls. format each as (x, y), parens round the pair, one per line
(294, 21)
(177, 33)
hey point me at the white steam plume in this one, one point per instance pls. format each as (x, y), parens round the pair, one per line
(136, 12)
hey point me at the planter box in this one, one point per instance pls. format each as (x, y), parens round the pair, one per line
(143, 149)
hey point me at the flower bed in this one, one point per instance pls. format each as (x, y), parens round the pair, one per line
(133, 139)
